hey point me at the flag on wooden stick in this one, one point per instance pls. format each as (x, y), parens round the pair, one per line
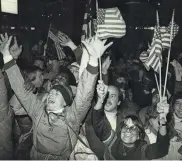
(165, 34)
(110, 23)
(155, 52)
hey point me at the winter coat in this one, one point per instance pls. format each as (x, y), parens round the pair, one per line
(114, 145)
(54, 142)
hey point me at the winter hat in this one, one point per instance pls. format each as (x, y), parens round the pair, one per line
(66, 93)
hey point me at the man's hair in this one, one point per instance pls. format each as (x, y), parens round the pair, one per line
(177, 96)
(31, 69)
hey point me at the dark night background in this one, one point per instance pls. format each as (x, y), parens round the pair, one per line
(67, 15)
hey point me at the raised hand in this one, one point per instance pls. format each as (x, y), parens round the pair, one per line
(101, 91)
(66, 41)
(105, 65)
(96, 47)
(15, 50)
(5, 44)
(163, 110)
(63, 39)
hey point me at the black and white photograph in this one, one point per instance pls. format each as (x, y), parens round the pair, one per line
(90, 80)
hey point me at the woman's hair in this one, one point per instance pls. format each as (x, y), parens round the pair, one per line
(152, 113)
(137, 123)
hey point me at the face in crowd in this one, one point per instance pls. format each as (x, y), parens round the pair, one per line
(178, 108)
(55, 102)
(75, 71)
(112, 101)
(37, 78)
(40, 64)
(154, 122)
(155, 99)
(130, 131)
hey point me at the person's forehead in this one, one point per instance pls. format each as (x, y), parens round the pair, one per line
(113, 90)
(179, 100)
(53, 91)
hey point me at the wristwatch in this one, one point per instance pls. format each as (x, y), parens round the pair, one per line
(163, 124)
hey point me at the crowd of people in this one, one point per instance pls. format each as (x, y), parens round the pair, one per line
(74, 109)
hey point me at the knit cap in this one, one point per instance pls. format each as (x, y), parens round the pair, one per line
(66, 93)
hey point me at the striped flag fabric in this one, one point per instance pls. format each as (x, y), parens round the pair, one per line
(110, 23)
(52, 35)
(88, 27)
(155, 51)
(165, 34)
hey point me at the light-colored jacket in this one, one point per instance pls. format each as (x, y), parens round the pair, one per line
(6, 121)
(58, 141)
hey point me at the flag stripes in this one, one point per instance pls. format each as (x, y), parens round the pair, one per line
(165, 34)
(60, 53)
(110, 23)
(154, 59)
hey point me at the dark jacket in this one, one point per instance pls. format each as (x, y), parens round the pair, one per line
(54, 142)
(6, 123)
(114, 145)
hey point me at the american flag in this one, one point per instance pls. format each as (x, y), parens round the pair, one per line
(52, 35)
(165, 34)
(110, 23)
(155, 51)
(88, 23)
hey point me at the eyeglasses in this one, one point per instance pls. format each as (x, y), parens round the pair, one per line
(132, 129)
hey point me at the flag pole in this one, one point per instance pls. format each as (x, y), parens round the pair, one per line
(157, 82)
(48, 33)
(169, 53)
(47, 38)
(160, 66)
(100, 62)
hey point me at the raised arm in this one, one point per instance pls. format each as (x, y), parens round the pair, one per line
(6, 122)
(100, 124)
(158, 149)
(161, 147)
(86, 86)
(66, 41)
(26, 98)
